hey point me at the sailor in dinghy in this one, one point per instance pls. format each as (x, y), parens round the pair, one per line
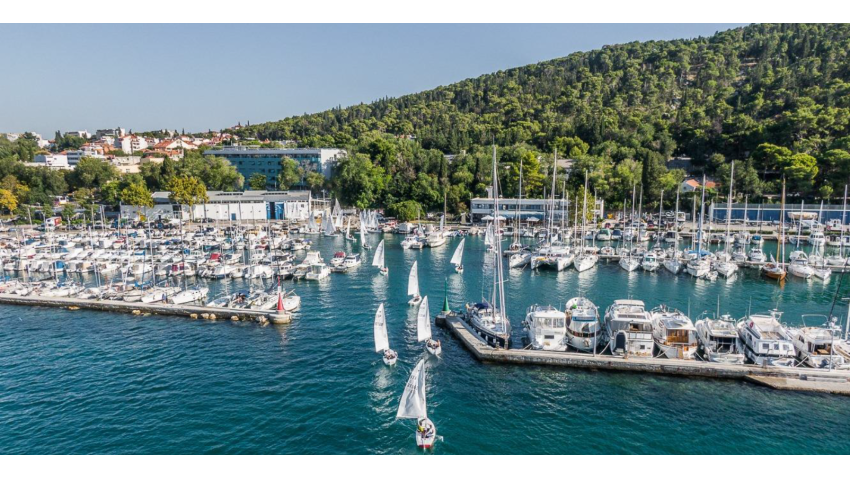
(457, 257)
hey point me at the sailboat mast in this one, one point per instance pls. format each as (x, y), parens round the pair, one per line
(729, 207)
(519, 205)
(701, 215)
(554, 175)
(498, 282)
(584, 211)
(841, 234)
(780, 244)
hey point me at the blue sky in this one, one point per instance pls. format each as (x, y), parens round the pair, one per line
(197, 77)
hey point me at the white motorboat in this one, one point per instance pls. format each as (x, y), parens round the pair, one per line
(719, 341)
(649, 263)
(674, 333)
(583, 327)
(817, 239)
(351, 261)
(756, 255)
(628, 328)
(318, 271)
(815, 345)
(766, 341)
(197, 294)
(545, 328)
(159, 294)
(799, 265)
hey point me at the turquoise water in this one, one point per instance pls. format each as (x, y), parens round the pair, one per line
(91, 382)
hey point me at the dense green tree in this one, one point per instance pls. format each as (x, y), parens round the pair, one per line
(405, 210)
(315, 181)
(187, 191)
(257, 181)
(137, 194)
(290, 173)
(92, 173)
(359, 182)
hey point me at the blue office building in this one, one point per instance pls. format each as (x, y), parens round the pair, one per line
(250, 160)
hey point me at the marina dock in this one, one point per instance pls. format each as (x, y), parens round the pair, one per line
(139, 308)
(780, 378)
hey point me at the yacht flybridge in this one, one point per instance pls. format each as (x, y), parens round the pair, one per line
(628, 327)
(545, 327)
(674, 333)
(766, 341)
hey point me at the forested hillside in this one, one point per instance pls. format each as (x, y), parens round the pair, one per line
(621, 111)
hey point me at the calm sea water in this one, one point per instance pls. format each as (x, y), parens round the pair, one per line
(92, 382)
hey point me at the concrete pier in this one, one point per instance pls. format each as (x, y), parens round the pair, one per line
(195, 311)
(797, 378)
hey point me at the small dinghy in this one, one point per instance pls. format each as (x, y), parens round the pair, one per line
(413, 285)
(423, 329)
(412, 405)
(382, 341)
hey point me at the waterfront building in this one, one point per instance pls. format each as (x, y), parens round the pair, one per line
(231, 206)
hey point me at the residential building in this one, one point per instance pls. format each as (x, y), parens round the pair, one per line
(51, 161)
(110, 133)
(690, 185)
(266, 161)
(79, 134)
(127, 164)
(130, 143)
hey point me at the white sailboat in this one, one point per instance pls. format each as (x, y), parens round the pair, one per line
(457, 257)
(328, 226)
(363, 243)
(490, 319)
(413, 405)
(585, 260)
(378, 260)
(413, 284)
(726, 267)
(382, 341)
(423, 329)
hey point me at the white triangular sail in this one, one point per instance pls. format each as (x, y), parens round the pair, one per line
(423, 321)
(488, 236)
(412, 404)
(378, 260)
(329, 227)
(362, 234)
(457, 257)
(413, 280)
(382, 341)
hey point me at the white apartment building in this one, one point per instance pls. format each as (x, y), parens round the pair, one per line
(52, 161)
(131, 143)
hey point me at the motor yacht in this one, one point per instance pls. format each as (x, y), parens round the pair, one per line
(628, 328)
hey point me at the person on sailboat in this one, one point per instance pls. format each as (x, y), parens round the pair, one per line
(425, 427)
